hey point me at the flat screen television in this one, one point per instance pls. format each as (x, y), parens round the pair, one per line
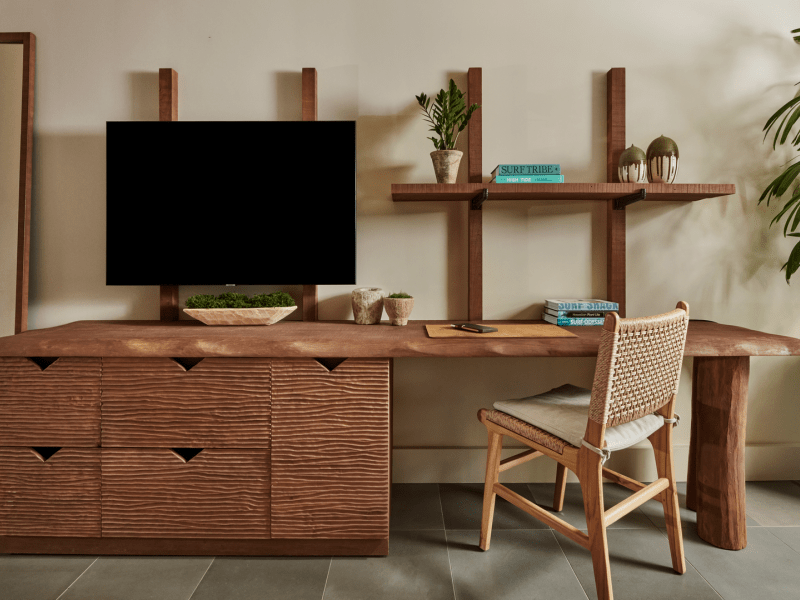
(231, 202)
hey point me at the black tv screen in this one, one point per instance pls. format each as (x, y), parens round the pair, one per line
(231, 202)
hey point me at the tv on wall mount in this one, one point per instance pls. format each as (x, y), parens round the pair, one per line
(231, 202)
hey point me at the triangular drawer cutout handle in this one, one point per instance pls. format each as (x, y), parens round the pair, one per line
(330, 363)
(187, 454)
(43, 361)
(188, 363)
(45, 452)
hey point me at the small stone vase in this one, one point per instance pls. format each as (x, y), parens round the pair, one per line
(398, 309)
(662, 160)
(633, 166)
(367, 305)
(445, 165)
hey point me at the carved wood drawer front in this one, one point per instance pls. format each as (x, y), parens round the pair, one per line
(330, 449)
(59, 496)
(167, 403)
(164, 493)
(50, 402)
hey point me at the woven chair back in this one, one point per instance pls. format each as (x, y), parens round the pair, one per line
(638, 367)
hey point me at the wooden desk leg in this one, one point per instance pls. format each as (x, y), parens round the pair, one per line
(716, 470)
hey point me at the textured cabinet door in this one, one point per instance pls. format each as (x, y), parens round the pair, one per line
(59, 496)
(154, 492)
(330, 449)
(160, 403)
(55, 402)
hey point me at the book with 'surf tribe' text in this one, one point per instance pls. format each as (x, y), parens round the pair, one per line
(576, 314)
(528, 179)
(580, 304)
(565, 321)
(528, 170)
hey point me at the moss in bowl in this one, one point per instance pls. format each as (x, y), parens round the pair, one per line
(232, 308)
(398, 307)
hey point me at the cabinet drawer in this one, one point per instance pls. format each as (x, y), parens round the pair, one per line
(158, 402)
(58, 405)
(330, 449)
(59, 496)
(154, 492)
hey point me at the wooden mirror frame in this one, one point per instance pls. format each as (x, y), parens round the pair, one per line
(28, 41)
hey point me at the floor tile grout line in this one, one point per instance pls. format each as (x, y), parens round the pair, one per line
(78, 577)
(214, 558)
(327, 576)
(663, 532)
(555, 537)
(783, 542)
(447, 545)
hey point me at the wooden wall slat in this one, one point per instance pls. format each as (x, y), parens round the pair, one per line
(56, 407)
(155, 402)
(309, 113)
(475, 217)
(615, 222)
(330, 449)
(59, 497)
(168, 111)
(152, 493)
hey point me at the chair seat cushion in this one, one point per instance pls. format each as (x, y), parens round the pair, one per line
(564, 412)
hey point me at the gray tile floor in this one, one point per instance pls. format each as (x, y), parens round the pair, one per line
(434, 554)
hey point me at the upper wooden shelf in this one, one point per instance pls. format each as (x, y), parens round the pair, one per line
(676, 192)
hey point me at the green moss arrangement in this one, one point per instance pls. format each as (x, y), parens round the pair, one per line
(399, 295)
(234, 300)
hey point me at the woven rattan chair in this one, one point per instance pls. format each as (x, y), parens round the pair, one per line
(632, 398)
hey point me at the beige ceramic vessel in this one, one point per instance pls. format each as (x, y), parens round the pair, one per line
(240, 316)
(445, 165)
(398, 309)
(367, 305)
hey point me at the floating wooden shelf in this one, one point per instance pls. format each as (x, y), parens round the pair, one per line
(679, 192)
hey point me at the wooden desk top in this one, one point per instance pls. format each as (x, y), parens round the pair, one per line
(345, 339)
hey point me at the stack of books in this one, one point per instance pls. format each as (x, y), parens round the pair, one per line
(527, 174)
(577, 311)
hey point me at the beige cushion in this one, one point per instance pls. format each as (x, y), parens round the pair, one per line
(564, 412)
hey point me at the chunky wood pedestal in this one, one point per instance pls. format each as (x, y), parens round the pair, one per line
(716, 481)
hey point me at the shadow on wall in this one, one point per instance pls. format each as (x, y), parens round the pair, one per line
(289, 95)
(144, 95)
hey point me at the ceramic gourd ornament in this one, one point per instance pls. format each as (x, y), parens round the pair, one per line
(662, 160)
(633, 166)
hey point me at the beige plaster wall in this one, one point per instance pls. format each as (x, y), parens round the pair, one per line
(706, 74)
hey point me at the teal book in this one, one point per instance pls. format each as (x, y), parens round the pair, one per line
(580, 304)
(571, 322)
(528, 179)
(530, 169)
(580, 314)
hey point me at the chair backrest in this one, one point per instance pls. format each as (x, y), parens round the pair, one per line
(638, 365)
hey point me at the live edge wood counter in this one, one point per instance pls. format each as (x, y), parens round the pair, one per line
(308, 441)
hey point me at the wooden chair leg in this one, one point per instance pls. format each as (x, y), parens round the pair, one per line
(662, 446)
(561, 486)
(591, 480)
(492, 475)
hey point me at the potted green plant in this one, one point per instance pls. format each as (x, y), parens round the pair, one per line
(398, 307)
(791, 210)
(231, 308)
(448, 117)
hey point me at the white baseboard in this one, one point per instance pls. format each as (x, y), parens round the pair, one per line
(763, 462)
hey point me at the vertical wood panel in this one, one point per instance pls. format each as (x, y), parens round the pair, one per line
(151, 492)
(309, 113)
(721, 395)
(168, 111)
(615, 221)
(475, 216)
(56, 407)
(59, 497)
(330, 449)
(155, 402)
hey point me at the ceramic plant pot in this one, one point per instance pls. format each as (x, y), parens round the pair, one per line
(398, 309)
(662, 160)
(633, 166)
(367, 305)
(445, 165)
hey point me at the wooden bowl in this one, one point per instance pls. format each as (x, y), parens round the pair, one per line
(239, 316)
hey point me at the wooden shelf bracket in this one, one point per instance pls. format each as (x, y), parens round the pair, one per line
(621, 203)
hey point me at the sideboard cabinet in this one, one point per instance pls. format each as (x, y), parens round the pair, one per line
(219, 455)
